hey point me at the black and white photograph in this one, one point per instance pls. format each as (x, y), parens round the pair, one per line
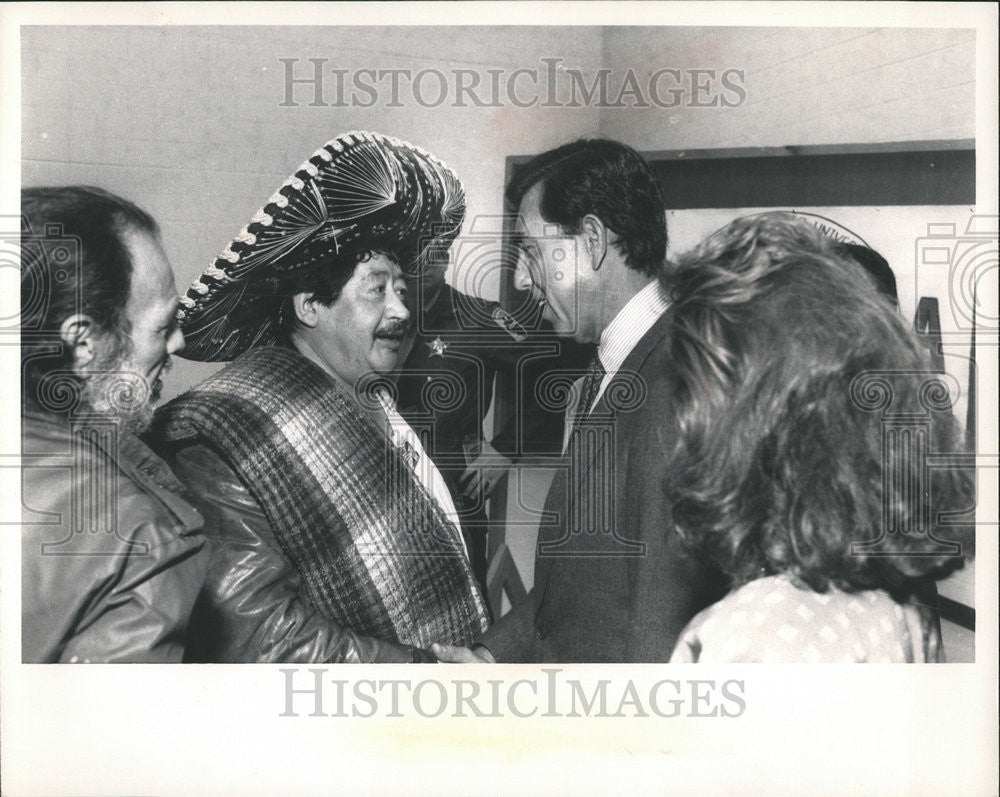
(499, 398)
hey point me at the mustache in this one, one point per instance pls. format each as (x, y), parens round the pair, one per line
(395, 330)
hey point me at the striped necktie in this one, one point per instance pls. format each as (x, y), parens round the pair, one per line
(591, 385)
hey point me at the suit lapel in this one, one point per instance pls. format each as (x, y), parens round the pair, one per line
(625, 392)
(582, 455)
(634, 362)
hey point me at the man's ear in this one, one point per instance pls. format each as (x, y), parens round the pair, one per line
(305, 309)
(595, 239)
(79, 333)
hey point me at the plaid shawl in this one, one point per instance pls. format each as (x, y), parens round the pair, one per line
(374, 550)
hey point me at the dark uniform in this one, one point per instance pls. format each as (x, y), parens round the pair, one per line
(446, 387)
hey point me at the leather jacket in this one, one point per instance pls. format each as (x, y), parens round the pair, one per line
(251, 608)
(112, 555)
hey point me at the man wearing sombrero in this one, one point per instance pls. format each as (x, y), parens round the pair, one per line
(334, 536)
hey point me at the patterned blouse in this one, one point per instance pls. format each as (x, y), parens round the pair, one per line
(772, 620)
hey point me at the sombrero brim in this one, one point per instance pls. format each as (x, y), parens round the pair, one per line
(361, 190)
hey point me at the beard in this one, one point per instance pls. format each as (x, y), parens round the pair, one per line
(116, 387)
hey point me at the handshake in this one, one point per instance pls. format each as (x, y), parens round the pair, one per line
(455, 654)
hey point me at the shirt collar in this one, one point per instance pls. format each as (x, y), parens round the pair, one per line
(632, 322)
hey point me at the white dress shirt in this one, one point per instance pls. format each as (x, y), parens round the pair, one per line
(402, 436)
(617, 341)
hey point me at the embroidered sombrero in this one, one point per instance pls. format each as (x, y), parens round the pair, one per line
(359, 191)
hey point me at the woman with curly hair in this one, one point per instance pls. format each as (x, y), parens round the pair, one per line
(806, 410)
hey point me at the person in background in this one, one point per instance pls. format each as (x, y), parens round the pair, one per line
(335, 538)
(445, 388)
(787, 375)
(112, 555)
(877, 267)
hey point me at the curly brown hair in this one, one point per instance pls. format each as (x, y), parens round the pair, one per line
(787, 370)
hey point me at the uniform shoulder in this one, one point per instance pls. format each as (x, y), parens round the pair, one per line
(468, 308)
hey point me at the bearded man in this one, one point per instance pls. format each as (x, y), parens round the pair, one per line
(334, 535)
(112, 555)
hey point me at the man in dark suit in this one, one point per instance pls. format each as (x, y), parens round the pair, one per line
(612, 583)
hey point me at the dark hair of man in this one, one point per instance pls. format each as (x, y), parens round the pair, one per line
(777, 467)
(73, 260)
(324, 283)
(609, 180)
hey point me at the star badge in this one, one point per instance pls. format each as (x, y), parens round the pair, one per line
(437, 347)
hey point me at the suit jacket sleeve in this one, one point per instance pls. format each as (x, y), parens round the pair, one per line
(669, 584)
(512, 637)
(251, 608)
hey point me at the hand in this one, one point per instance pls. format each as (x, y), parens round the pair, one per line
(483, 474)
(453, 654)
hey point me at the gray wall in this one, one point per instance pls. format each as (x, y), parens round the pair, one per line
(188, 121)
